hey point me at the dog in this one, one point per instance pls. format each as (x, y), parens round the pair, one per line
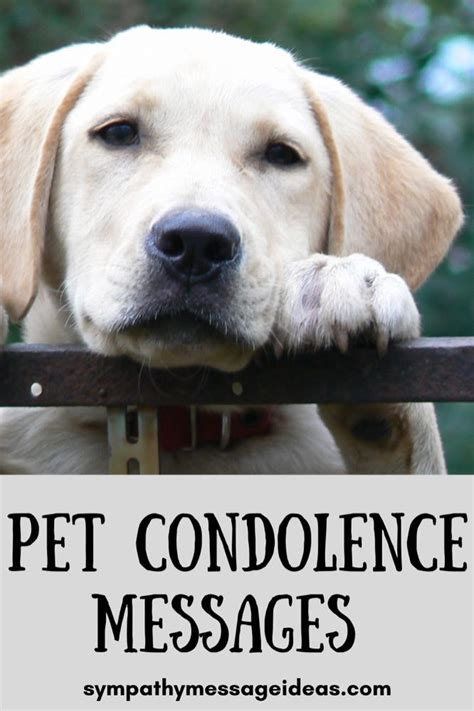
(186, 197)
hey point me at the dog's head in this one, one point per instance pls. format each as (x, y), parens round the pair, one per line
(158, 185)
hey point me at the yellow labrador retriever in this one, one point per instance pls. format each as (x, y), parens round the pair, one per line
(186, 197)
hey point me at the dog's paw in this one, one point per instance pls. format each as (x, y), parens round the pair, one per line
(332, 300)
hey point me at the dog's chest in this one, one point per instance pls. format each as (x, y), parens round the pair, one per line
(75, 441)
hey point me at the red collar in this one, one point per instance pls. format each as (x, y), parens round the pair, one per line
(178, 424)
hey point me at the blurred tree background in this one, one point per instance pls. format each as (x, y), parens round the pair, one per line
(413, 59)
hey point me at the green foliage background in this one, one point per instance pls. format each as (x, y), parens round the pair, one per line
(411, 58)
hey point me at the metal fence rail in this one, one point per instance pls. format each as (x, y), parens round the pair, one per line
(426, 369)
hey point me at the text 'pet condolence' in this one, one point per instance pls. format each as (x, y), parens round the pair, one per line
(248, 543)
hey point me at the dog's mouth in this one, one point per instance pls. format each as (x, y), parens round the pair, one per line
(171, 337)
(182, 338)
(182, 328)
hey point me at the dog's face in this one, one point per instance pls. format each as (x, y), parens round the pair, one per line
(159, 185)
(189, 172)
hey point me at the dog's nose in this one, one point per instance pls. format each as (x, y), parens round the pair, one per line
(195, 245)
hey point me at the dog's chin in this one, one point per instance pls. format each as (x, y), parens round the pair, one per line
(172, 341)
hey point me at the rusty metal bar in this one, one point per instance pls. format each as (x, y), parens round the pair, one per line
(426, 369)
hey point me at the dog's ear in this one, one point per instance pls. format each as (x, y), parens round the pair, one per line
(387, 200)
(34, 101)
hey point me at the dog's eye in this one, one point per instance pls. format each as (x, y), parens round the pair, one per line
(281, 154)
(123, 133)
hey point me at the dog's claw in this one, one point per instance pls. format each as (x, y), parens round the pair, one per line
(342, 341)
(278, 349)
(382, 343)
